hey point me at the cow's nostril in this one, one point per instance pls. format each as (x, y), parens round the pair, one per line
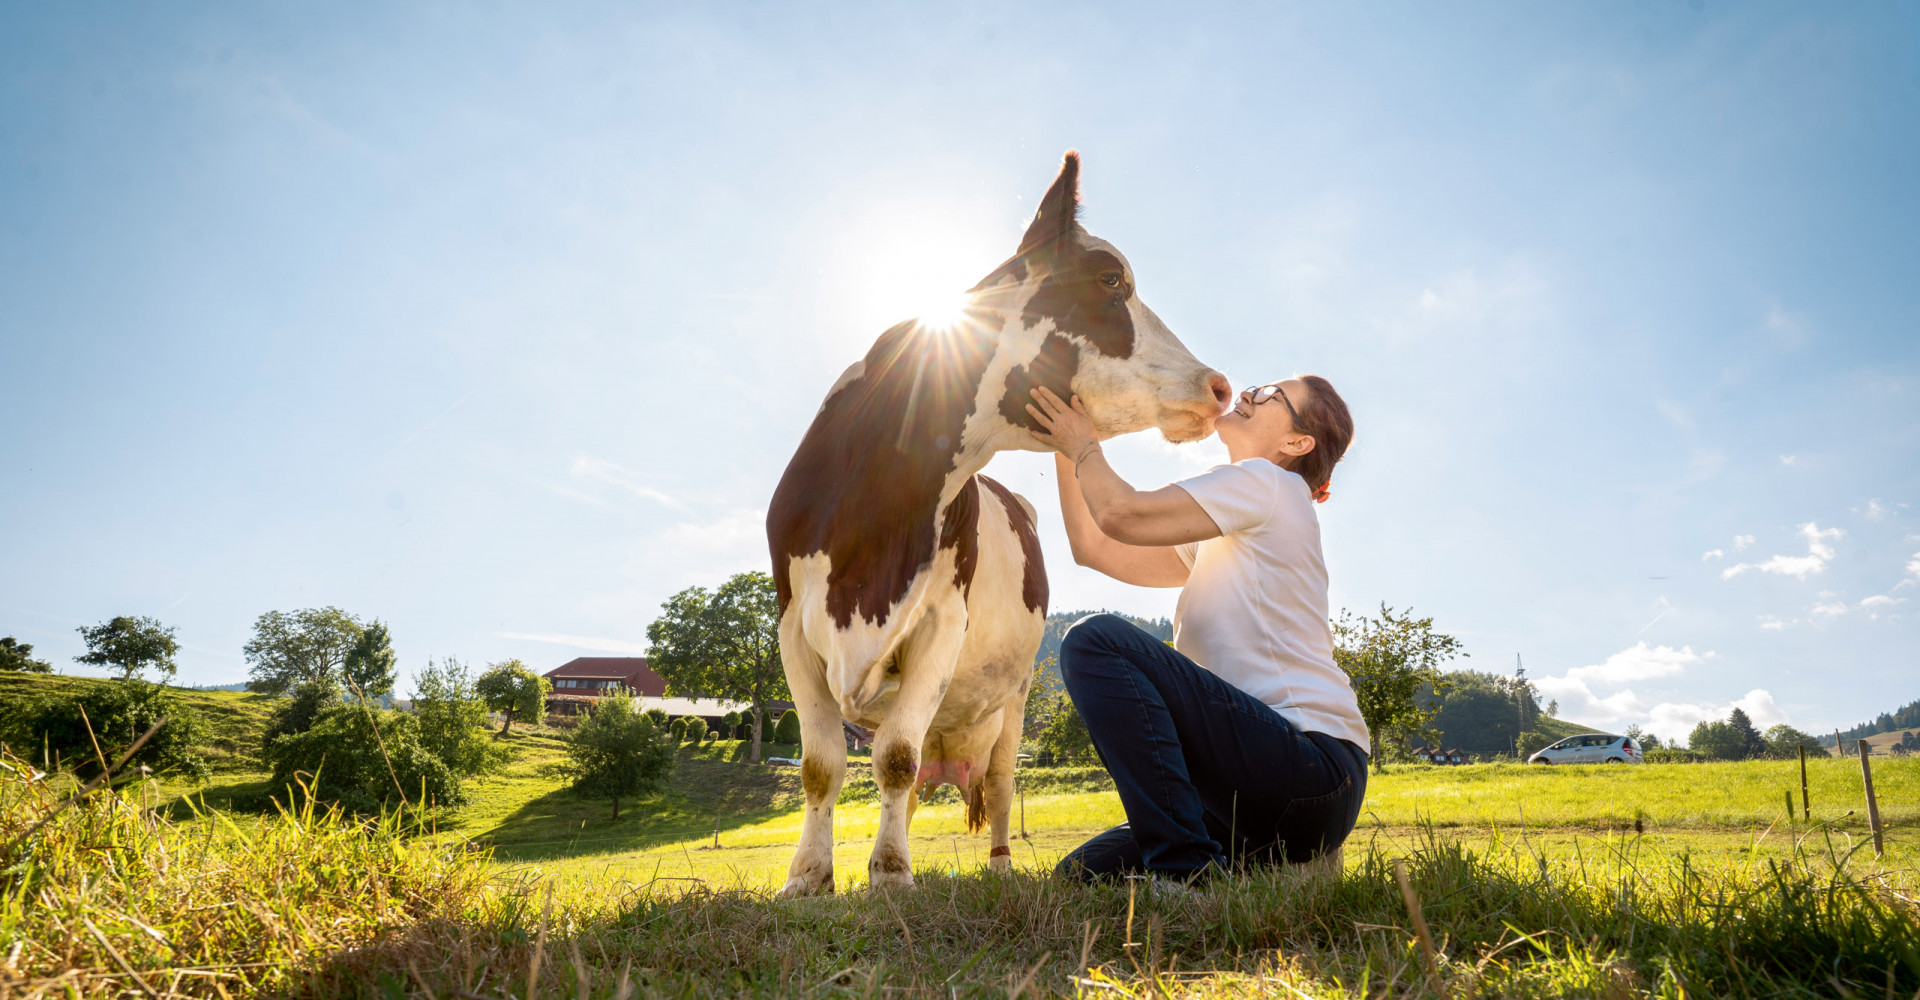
(1222, 389)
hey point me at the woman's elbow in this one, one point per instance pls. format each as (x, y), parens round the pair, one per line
(1118, 525)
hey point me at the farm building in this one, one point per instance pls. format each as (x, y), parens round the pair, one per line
(581, 681)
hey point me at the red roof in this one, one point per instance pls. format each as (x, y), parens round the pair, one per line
(631, 669)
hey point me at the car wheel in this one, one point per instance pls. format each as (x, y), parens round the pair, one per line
(1616, 760)
(1543, 760)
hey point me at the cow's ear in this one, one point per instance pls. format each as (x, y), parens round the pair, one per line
(1055, 219)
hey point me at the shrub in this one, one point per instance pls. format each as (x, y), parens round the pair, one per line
(1671, 755)
(696, 729)
(363, 758)
(788, 729)
(63, 727)
(618, 753)
(453, 719)
(1065, 738)
(730, 723)
(297, 715)
(659, 717)
(1531, 743)
(768, 728)
(678, 730)
(745, 730)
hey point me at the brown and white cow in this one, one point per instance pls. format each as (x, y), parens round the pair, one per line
(912, 594)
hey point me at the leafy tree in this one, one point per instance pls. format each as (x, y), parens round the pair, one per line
(1553, 709)
(618, 753)
(453, 719)
(724, 644)
(363, 758)
(17, 655)
(64, 728)
(788, 731)
(368, 669)
(1648, 742)
(1785, 741)
(511, 688)
(132, 645)
(310, 644)
(1065, 737)
(1387, 659)
(309, 700)
(1478, 711)
(1717, 741)
(1529, 742)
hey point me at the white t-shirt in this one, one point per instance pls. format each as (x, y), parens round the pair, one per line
(1254, 610)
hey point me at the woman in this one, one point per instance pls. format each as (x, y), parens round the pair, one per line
(1243, 742)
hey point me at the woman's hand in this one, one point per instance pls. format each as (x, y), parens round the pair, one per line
(1069, 430)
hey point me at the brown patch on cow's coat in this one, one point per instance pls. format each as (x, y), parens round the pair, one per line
(1033, 582)
(977, 806)
(1053, 367)
(1087, 296)
(960, 531)
(815, 779)
(897, 769)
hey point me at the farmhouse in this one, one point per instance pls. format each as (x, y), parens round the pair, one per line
(581, 681)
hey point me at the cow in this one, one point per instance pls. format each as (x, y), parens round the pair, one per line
(911, 591)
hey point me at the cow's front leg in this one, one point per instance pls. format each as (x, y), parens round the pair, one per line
(999, 790)
(823, 764)
(896, 754)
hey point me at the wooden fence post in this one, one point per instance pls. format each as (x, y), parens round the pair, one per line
(1806, 805)
(1873, 805)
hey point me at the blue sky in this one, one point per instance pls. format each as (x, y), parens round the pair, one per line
(499, 323)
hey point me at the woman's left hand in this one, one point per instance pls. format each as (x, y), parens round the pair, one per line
(1069, 430)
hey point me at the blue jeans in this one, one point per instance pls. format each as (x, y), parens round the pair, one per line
(1209, 776)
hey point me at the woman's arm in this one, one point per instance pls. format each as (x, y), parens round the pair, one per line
(1140, 565)
(1120, 531)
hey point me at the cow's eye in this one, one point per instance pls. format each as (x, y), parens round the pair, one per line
(1111, 279)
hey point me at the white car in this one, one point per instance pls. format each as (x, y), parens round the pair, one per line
(1592, 748)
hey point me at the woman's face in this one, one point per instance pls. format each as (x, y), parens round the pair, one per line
(1266, 429)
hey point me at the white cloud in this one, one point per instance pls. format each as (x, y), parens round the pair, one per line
(1819, 553)
(1772, 624)
(1638, 662)
(1741, 542)
(1713, 554)
(1675, 720)
(1881, 605)
(596, 643)
(1827, 612)
(1876, 511)
(1787, 459)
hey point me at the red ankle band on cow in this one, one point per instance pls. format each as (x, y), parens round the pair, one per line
(1000, 852)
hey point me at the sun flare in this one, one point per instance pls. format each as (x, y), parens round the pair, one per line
(916, 261)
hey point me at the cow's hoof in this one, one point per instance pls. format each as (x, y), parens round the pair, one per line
(1002, 865)
(886, 880)
(797, 887)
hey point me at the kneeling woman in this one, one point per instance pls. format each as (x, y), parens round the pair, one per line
(1243, 742)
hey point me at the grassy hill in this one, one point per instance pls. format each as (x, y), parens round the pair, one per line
(234, 719)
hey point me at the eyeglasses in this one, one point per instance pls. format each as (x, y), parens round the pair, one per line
(1266, 392)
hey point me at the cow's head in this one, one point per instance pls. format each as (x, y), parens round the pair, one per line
(1096, 337)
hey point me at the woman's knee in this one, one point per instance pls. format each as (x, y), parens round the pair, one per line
(1093, 634)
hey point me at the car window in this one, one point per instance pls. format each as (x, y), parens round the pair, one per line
(1597, 741)
(1630, 744)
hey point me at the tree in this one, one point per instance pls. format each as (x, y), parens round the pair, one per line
(1785, 741)
(1752, 744)
(1553, 709)
(1064, 737)
(287, 649)
(1478, 711)
(1717, 741)
(1387, 659)
(17, 655)
(133, 645)
(1647, 740)
(368, 669)
(511, 688)
(617, 752)
(309, 700)
(453, 719)
(724, 644)
(362, 758)
(1528, 742)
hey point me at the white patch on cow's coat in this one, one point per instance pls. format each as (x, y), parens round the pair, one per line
(853, 373)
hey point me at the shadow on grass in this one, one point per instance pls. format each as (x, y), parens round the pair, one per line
(703, 795)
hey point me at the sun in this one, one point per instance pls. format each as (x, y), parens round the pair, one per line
(916, 260)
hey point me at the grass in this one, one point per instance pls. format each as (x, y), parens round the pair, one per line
(1535, 882)
(234, 720)
(112, 897)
